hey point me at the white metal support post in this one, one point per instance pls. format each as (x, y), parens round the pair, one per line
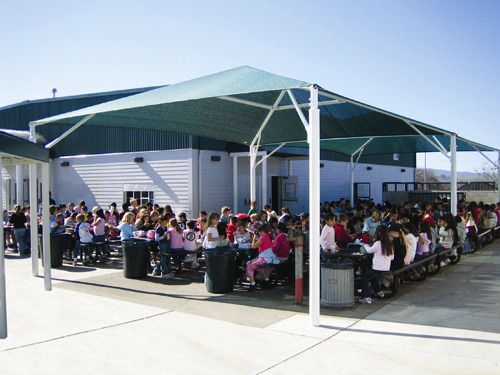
(46, 228)
(314, 202)
(265, 199)
(19, 184)
(498, 176)
(3, 297)
(351, 167)
(453, 180)
(33, 210)
(33, 219)
(235, 184)
(253, 167)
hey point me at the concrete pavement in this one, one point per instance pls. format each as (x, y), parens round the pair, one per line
(95, 320)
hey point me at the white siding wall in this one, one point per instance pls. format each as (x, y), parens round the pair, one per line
(189, 181)
(8, 186)
(336, 177)
(215, 181)
(100, 179)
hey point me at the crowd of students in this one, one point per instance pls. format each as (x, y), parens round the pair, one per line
(396, 235)
(399, 235)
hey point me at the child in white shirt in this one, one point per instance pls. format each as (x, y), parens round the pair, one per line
(192, 242)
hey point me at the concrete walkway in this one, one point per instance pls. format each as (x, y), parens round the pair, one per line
(96, 321)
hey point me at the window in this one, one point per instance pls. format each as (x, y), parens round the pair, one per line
(143, 193)
(142, 197)
(395, 156)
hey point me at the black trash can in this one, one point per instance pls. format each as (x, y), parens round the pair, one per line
(136, 258)
(337, 282)
(220, 274)
(58, 243)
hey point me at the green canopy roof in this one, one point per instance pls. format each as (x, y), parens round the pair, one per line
(241, 104)
(16, 150)
(393, 144)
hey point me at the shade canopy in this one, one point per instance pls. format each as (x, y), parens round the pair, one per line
(393, 144)
(16, 150)
(239, 104)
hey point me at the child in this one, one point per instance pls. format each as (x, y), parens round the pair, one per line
(231, 228)
(342, 236)
(212, 236)
(266, 255)
(201, 228)
(191, 242)
(424, 239)
(162, 237)
(84, 237)
(383, 254)
(327, 239)
(242, 236)
(110, 219)
(57, 227)
(176, 242)
(448, 236)
(412, 240)
(71, 220)
(447, 233)
(281, 245)
(99, 225)
(182, 220)
(400, 246)
(127, 227)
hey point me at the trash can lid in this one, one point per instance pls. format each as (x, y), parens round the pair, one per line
(338, 263)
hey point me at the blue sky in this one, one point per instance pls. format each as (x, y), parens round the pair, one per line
(436, 61)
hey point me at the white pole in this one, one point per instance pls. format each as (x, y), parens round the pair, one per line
(425, 167)
(19, 185)
(352, 181)
(33, 219)
(453, 181)
(289, 169)
(498, 177)
(253, 156)
(235, 185)
(3, 297)
(46, 227)
(314, 206)
(265, 199)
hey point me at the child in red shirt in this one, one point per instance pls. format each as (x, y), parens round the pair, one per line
(231, 228)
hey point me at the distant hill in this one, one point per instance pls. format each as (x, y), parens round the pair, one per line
(444, 172)
(445, 175)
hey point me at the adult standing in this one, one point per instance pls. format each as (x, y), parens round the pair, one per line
(18, 220)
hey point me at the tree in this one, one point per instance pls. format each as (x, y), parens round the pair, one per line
(487, 172)
(430, 176)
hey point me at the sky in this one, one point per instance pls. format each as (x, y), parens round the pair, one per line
(431, 60)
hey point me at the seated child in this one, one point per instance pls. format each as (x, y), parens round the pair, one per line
(84, 237)
(192, 242)
(266, 255)
(242, 236)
